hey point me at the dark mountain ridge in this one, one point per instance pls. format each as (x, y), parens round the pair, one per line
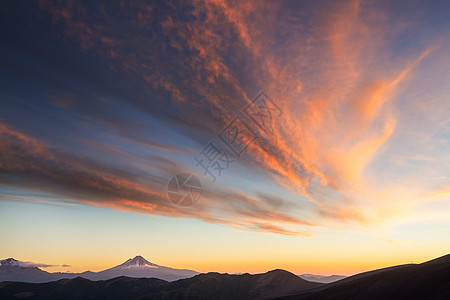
(203, 286)
(428, 280)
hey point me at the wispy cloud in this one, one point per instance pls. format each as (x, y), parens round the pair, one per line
(30, 264)
(336, 71)
(32, 164)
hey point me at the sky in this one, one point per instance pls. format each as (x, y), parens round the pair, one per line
(319, 132)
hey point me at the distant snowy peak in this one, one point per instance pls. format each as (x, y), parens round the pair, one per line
(10, 262)
(137, 262)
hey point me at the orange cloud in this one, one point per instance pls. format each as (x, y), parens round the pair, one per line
(330, 79)
(32, 164)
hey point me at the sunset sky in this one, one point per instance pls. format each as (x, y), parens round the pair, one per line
(102, 104)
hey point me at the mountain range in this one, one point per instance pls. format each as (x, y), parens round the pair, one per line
(14, 270)
(429, 280)
(138, 267)
(203, 286)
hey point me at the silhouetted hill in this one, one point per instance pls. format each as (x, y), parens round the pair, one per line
(245, 286)
(80, 288)
(203, 286)
(429, 280)
(439, 260)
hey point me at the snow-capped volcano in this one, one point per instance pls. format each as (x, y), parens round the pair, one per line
(10, 263)
(16, 270)
(14, 263)
(136, 262)
(139, 267)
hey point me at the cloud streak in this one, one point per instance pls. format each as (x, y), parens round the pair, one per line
(31, 164)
